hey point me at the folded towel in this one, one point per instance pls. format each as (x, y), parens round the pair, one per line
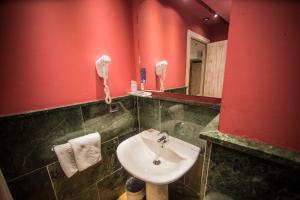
(87, 150)
(66, 159)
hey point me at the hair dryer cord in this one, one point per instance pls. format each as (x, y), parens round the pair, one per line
(107, 93)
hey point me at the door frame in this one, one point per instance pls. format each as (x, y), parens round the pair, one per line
(192, 35)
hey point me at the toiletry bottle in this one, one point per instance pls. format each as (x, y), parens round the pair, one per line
(142, 85)
(143, 77)
(133, 86)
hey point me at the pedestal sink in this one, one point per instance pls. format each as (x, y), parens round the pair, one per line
(138, 154)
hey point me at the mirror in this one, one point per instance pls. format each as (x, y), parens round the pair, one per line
(190, 37)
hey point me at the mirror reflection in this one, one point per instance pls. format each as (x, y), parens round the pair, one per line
(181, 45)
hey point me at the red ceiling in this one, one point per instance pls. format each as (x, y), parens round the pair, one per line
(196, 10)
(222, 7)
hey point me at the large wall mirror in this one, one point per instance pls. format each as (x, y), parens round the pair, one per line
(190, 36)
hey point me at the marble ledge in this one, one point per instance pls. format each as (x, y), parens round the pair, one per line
(176, 98)
(250, 146)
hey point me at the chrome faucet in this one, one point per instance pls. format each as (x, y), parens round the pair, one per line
(164, 138)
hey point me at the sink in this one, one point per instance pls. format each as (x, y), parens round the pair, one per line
(137, 153)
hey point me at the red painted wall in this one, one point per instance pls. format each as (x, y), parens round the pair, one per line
(48, 50)
(261, 86)
(160, 34)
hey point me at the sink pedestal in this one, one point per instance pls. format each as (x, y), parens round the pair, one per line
(155, 192)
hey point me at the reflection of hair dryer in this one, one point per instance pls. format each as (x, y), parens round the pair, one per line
(143, 77)
(161, 68)
(102, 71)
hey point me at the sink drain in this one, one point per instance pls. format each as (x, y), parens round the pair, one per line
(156, 162)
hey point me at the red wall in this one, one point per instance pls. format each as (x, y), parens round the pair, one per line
(261, 86)
(160, 34)
(48, 50)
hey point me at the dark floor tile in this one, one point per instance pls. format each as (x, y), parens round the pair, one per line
(33, 186)
(67, 188)
(149, 113)
(32, 136)
(97, 117)
(112, 186)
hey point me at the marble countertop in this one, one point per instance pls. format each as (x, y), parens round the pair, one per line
(184, 99)
(258, 148)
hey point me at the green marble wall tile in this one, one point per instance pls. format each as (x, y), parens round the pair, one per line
(90, 193)
(113, 186)
(178, 191)
(95, 109)
(97, 117)
(245, 177)
(185, 131)
(193, 176)
(177, 90)
(33, 186)
(67, 188)
(27, 139)
(149, 113)
(33, 134)
(212, 125)
(201, 114)
(126, 136)
(186, 121)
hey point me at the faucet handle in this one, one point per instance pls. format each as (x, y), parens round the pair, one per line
(163, 138)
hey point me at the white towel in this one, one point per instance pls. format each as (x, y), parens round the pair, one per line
(66, 159)
(87, 150)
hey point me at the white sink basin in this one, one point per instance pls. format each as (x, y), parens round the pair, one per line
(137, 153)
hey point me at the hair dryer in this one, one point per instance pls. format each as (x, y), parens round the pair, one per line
(102, 71)
(161, 68)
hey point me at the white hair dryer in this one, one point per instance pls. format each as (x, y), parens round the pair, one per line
(102, 71)
(161, 68)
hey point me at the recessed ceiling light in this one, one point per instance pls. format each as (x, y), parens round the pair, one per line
(216, 15)
(205, 19)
